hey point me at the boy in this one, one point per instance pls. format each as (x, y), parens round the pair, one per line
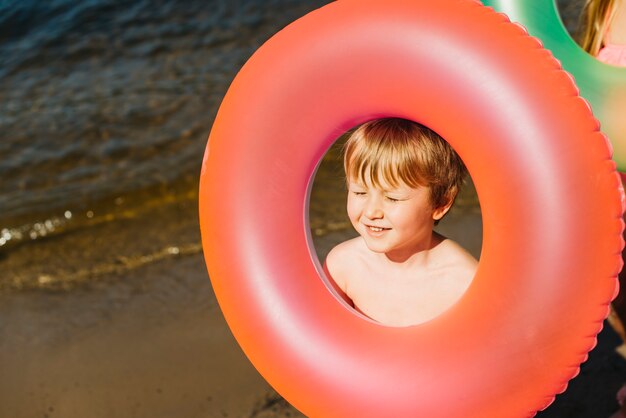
(402, 179)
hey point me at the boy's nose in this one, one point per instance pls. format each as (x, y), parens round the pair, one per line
(373, 209)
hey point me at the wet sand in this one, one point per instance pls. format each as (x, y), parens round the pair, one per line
(153, 345)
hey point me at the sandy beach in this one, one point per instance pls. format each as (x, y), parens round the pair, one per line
(155, 345)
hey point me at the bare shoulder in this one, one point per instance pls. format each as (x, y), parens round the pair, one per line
(343, 254)
(458, 259)
(340, 261)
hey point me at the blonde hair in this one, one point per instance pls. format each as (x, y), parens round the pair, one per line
(393, 150)
(595, 21)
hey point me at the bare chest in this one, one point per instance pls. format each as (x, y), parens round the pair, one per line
(404, 298)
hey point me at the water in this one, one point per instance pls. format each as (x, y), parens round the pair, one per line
(103, 98)
(105, 108)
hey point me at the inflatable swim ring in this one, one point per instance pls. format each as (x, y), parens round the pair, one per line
(544, 177)
(604, 86)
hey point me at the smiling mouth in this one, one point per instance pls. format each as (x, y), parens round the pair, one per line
(376, 228)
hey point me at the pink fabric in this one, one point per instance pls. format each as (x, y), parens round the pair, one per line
(613, 54)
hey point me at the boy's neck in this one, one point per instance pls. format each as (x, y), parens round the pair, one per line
(415, 255)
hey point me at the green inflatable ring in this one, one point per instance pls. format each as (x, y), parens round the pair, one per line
(602, 85)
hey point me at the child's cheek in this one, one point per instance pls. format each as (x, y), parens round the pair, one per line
(352, 209)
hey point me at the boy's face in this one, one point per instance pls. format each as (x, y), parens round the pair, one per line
(395, 221)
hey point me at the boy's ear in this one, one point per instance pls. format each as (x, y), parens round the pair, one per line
(442, 210)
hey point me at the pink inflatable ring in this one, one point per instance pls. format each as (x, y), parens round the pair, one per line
(551, 201)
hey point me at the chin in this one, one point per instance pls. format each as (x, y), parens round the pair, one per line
(377, 247)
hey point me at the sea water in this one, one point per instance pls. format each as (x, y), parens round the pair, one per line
(105, 110)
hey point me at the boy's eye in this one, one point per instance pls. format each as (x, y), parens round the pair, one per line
(391, 199)
(359, 193)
